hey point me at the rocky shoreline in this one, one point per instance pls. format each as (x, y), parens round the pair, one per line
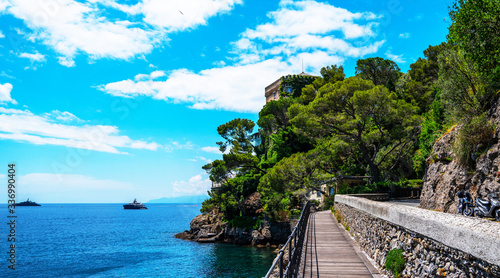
(209, 227)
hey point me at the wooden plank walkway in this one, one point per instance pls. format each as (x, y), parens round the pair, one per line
(330, 252)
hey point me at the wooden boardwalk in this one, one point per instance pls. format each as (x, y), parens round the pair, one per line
(330, 252)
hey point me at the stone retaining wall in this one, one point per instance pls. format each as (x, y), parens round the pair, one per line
(434, 244)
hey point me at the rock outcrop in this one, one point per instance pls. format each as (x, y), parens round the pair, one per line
(445, 177)
(209, 227)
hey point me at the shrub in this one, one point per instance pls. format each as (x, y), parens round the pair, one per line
(395, 262)
(245, 222)
(472, 139)
(329, 202)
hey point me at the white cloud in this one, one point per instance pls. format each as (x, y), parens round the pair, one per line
(182, 15)
(317, 33)
(67, 62)
(174, 16)
(71, 27)
(157, 73)
(296, 18)
(211, 150)
(395, 58)
(5, 90)
(206, 160)
(174, 145)
(33, 57)
(1, 34)
(4, 74)
(404, 35)
(196, 185)
(234, 88)
(310, 27)
(24, 126)
(62, 116)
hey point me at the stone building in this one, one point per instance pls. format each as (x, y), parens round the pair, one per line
(273, 92)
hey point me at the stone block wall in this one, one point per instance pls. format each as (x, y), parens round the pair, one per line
(425, 253)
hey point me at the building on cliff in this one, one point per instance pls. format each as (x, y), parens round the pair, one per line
(288, 85)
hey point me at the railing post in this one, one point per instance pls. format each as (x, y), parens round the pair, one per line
(281, 263)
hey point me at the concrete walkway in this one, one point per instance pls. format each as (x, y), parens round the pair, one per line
(330, 252)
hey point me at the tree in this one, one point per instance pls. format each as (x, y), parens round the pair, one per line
(419, 86)
(237, 134)
(237, 172)
(365, 116)
(277, 133)
(333, 73)
(475, 29)
(240, 157)
(461, 85)
(380, 71)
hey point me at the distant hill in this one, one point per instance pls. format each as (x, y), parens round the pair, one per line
(197, 199)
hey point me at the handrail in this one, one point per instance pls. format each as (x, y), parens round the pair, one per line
(294, 245)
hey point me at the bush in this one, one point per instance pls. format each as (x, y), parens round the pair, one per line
(472, 139)
(395, 262)
(328, 202)
(245, 222)
(315, 203)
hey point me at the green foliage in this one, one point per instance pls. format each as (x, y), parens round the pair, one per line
(380, 123)
(367, 118)
(357, 189)
(395, 262)
(245, 222)
(237, 134)
(475, 29)
(419, 85)
(332, 74)
(462, 89)
(329, 203)
(473, 138)
(412, 183)
(380, 71)
(296, 83)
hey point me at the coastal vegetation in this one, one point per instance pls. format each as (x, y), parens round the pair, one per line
(380, 123)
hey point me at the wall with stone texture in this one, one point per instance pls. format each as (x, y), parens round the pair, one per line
(434, 244)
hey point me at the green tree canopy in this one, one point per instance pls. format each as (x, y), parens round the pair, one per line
(363, 115)
(380, 71)
(475, 29)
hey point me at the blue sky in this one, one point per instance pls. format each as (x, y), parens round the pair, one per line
(106, 101)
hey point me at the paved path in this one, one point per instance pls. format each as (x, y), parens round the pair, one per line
(330, 252)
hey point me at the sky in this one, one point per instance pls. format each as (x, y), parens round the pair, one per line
(104, 101)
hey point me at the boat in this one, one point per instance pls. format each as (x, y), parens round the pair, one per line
(27, 203)
(135, 205)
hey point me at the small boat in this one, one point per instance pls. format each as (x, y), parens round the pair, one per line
(27, 203)
(135, 205)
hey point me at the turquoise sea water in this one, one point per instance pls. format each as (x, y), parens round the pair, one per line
(104, 240)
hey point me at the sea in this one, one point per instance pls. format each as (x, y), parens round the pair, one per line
(104, 240)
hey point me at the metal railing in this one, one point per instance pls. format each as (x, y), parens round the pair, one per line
(293, 248)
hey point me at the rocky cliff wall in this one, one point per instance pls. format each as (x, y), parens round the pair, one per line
(444, 177)
(209, 227)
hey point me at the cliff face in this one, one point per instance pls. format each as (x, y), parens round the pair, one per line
(445, 177)
(208, 227)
